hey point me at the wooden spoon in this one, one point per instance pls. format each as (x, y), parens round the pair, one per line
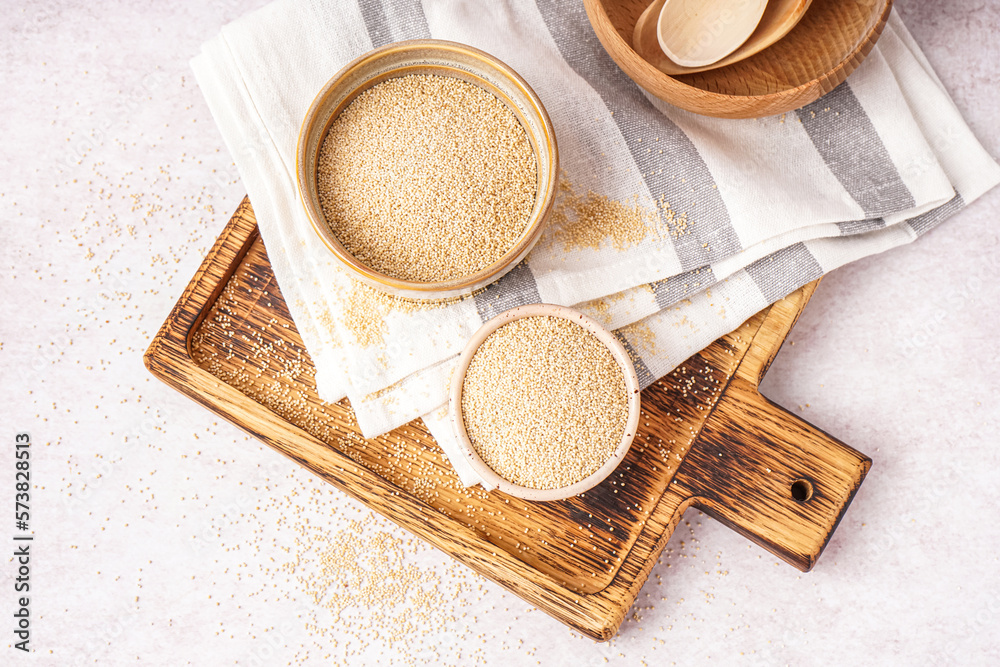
(778, 18)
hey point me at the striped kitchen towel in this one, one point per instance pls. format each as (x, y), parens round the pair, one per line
(707, 221)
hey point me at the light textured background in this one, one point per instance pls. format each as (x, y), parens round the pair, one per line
(165, 536)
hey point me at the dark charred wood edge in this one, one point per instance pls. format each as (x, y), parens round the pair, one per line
(749, 454)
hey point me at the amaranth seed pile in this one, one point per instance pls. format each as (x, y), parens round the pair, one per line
(427, 178)
(544, 402)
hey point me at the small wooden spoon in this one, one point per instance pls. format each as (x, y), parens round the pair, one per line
(779, 17)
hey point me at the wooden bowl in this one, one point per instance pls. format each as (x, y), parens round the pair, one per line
(490, 479)
(829, 43)
(428, 56)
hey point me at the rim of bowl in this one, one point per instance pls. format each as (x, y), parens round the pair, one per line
(489, 477)
(462, 285)
(876, 28)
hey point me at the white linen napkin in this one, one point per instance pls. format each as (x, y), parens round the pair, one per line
(767, 204)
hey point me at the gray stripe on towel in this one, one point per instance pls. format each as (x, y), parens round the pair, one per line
(931, 219)
(394, 21)
(847, 141)
(860, 226)
(516, 288)
(376, 22)
(642, 371)
(782, 272)
(712, 236)
(671, 290)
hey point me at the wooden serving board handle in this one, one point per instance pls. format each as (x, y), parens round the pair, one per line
(771, 476)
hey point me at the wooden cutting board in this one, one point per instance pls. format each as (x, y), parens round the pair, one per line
(707, 439)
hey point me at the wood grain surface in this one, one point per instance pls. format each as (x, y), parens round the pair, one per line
(817, 55)
(707, 438)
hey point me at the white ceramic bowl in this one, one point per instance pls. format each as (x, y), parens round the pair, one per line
(429, 56)
(490, 479)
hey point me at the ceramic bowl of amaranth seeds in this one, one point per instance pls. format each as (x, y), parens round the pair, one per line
(427, 168)
(544, 402)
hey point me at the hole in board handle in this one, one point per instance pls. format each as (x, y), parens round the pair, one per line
(802, 490)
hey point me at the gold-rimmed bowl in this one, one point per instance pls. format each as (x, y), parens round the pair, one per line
(440, 58)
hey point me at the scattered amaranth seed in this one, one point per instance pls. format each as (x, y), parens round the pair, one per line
(544, 402)
(639, 333)
(594, 221)
(427, 178)
(368, 307)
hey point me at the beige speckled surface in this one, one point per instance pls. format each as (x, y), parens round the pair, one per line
(164, 536)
